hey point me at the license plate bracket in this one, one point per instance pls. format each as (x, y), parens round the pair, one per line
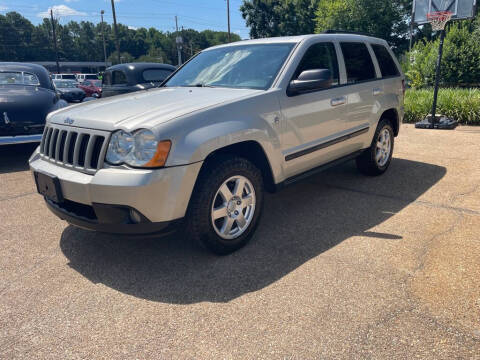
(48, 186)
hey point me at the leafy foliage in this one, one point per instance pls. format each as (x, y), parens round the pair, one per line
(460, 62)
(268, 18)
(20, 40)
(385, 19)
(462, 105)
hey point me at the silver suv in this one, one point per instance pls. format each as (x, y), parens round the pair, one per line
(233, 122)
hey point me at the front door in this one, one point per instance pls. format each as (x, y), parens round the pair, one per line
(314, 119)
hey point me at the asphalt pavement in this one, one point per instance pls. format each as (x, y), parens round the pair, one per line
(342, 266)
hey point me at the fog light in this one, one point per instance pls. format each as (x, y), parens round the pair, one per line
(135, 216)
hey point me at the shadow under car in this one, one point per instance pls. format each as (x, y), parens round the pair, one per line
(299, 223)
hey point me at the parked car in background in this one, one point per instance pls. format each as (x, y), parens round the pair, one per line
(82, 77)
(64, 77)
(92, 88)
(27, 95)
(68, 90)
(126, 78)
(235, 121)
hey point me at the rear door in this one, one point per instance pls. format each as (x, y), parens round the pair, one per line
(391, 77)
(362, 87)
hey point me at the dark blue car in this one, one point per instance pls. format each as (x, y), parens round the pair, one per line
(27, 95)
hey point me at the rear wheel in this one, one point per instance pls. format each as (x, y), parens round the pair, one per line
(376, 159)
(226, 204)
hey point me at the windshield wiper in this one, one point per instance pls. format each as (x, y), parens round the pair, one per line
(200, 85)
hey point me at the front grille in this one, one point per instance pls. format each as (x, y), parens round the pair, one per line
(72, 147)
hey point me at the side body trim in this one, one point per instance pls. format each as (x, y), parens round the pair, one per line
(326, 144)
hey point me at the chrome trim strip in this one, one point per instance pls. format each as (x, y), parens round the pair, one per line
(326, 144)
(20, 139)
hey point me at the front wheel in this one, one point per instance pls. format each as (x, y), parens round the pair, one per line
(226, 204)
(376, 159)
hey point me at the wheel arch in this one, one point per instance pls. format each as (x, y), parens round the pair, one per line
(392, 116)
(253, 152)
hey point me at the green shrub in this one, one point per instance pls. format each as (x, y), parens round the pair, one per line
(460, 62)
(461, 104)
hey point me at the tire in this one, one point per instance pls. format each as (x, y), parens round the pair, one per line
(210, 199)
(375, 160)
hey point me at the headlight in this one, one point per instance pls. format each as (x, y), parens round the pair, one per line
(140, 149)
(121, 144)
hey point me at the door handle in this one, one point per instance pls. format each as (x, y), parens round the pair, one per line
(377, 91)
(338, 101)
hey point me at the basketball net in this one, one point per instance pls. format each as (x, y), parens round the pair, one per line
(438, 19)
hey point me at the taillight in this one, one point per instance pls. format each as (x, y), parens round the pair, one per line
(403, 87)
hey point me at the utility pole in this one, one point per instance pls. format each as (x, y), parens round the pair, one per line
(55, 41)
(228, 18)
(117, 44)
(178, 41)
(103, 38)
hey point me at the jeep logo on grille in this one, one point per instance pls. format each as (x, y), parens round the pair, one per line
(68, 121)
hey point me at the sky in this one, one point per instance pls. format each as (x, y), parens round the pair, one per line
(194, 14)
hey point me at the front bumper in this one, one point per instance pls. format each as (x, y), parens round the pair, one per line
(160, 196)
(109, 219)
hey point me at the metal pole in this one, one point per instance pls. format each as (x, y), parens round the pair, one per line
(437, 77)
(55, 41)
(411, 27)
(228, 18)
(117, 44)
(103, 38)
(179, 52)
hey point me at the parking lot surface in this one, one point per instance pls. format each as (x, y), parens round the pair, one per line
(342, 266)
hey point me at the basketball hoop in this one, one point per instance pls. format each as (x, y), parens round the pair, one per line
(438, 19)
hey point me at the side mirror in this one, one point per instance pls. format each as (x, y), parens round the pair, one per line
(310, 80)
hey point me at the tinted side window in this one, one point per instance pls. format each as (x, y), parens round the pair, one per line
(320, 56)
(119, 78)
(155, 75)
(385, 61)
(358, 62)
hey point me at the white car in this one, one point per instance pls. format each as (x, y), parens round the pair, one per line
(233, 122)
(82, 77)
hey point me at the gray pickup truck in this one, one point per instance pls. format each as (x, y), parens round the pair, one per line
(233, 122)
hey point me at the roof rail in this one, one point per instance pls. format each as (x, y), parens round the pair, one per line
(332, 31)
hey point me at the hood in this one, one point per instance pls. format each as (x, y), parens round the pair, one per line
(25, 104)
(70, 90)
(21, 93)
(146, 108)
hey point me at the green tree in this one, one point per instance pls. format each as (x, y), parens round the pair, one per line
(384, 19)
(267, 18)
(460, 62)
(20, 40)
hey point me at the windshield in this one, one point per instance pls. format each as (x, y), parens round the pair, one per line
(63, 84)
(18, 78)
(96, 83)
(243, 66)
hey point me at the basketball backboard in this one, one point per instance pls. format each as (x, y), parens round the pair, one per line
(460, 9)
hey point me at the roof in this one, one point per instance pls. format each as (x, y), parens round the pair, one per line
(38, 70)
(300, 38)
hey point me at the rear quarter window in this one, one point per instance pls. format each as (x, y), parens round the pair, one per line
(115, 77)
(155, 75)
(387, 65)
(358, 62)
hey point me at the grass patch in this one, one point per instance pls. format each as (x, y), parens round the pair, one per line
(462, 105)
